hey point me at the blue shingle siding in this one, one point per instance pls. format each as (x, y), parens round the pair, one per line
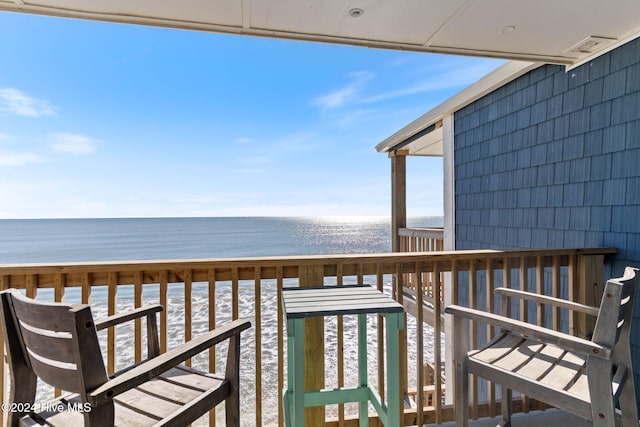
(633, 134)
(614, 85)
(593, 93)
(600, 67)
(552, 159)
(614, 138)
(593, 143)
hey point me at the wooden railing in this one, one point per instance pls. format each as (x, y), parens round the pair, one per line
(200, 294)
(422, 240)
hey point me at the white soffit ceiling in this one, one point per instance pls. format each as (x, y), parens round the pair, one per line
(560, 31)
(430, 145)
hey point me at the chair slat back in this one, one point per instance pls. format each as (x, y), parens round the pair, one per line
(58, 342)
(616, 309)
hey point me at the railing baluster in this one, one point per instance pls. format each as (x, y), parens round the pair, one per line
(555, 291)
(211, 291)
(524, 286)
(380, 335)
(489, 298)
(188, 287)
(31, 283)
(524, 313)
(340, 345)
(258, 340)
(577, 288)
(437, 346)
(540, 310)
(137, 302)
(506, 282)
(58, 289)
(86, 288)
(58, 296)
(235, 310)
(574, 293)
(473, 332)
(419, 345)
(505, 311)
(279, 283)
(398, 285)
(111, 332)
(455, 295)
(164, 290)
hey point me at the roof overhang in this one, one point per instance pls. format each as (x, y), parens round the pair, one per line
(552, 31)
(424, 136)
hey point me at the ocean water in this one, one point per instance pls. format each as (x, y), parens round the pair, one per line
(76, 240)
(71, 240)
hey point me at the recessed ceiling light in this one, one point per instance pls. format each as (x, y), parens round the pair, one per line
(508, 29)
(356, 12)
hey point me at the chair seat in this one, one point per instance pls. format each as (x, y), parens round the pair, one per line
(146, 404)
(518, 361)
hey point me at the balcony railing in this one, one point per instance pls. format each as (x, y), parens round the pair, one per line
(200, 294)
(421, 239)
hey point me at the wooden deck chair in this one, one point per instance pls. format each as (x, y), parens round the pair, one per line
(58, 343)
(585, 378)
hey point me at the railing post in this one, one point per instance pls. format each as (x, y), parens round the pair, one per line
(399, 221)
(588, 286)
(313, 347)
(398, 196)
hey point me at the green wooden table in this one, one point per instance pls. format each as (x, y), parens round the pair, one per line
(304, 302)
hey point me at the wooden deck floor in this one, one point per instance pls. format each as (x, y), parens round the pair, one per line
(548, 418)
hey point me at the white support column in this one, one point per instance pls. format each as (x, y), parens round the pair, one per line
(449, 242)
(449, 184)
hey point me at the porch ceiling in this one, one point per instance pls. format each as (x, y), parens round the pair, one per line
(565, 31)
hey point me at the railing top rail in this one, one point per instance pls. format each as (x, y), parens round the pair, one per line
(275, 261)
(424, 232)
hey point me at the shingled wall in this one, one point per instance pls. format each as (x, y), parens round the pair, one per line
(552, 159)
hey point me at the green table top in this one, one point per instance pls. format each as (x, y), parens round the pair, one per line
(305, 302)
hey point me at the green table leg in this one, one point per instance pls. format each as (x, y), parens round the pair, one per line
(395, 322)
(287, 398)
(295, 370)
(363, 375)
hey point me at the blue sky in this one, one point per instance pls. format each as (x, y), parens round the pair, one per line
(110, 120)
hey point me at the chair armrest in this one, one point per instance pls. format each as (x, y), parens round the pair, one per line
(116, 319)
(527, 330)
(156, 366)
(544, 299)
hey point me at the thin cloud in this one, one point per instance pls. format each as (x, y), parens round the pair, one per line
(448, 79)
(444, 76)
(73, 143)
(243, 140)
(248, 171)
(336, 99)
(19, 159)
(347, 94)
(16, 102)
(258, 160)
(301, 141)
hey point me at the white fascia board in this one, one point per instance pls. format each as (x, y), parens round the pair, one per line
(499, 77)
